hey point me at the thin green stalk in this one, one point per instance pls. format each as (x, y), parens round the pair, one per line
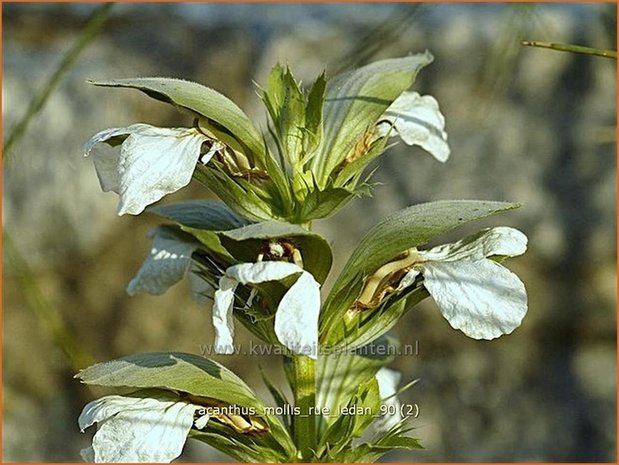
(89, 32)
(304, 424)
(48, 313)
(572, 48)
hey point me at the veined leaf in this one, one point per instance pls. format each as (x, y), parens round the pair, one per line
(198, 99)
(313, 115)
(212, 215)
(285, 102)
(323, 203)
(177, 371)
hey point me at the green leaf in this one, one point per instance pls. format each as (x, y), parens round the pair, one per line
(368, 453)
(244, 203)
(398, 442)
(246, 243)
(211, 215)
(177, 371)
(313, 115)
(323, 203)
(243, 447)
(286, 105)
(279, 184)
(412, 227)
(198, 99)
(201, 219)
(278, 397)
(354, 102)
(361, 411)
(339, 374)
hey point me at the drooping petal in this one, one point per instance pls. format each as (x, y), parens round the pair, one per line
(110, 133)
(418, 121)
(481, 298)
(101, 409)
(166, 264)
(261, 272)
(501, 240)
(155, 162)
(106, 164)
(150, 430)
(296, 319)
(223, 322)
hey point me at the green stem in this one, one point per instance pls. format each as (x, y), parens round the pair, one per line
(304, 423)
(572, 48)
(87, 34)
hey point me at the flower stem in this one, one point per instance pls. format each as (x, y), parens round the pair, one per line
(572, 48)
(304, 424)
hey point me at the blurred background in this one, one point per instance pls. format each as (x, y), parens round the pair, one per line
(528, 125)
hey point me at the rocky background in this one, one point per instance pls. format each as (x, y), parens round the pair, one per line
(527, 125)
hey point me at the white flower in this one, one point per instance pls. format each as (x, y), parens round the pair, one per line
(139, 429)
(418, 121)
(388, 381)
(152, 162)
(476, 295)
(296, 318)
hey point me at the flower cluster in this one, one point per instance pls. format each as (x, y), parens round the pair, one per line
(254, 255)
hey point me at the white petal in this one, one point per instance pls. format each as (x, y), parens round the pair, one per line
(387, 387)
(408, 279)
(101, 409)
(110, 133)
(223, 321)
(106, 163)
(388, 381)
(155, 162)
(149, 434)
(261, 272)
(216, 147)
(202, 421)
(481, 298)
(296, 319)
(167, 263)
(418, 121)
(486, 243)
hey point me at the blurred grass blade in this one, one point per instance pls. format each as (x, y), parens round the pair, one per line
(87, 34)
(572, 48)
(49, 315)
